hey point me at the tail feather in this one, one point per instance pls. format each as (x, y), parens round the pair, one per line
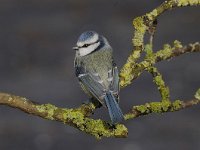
(114, 110)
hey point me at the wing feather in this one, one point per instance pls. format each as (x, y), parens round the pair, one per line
(93, 83)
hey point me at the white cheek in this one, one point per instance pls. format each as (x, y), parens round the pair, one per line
(87, 50)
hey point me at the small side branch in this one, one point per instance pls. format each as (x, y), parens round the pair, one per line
(159, 108)
(162, 107)
(177, 50)
(158, 80)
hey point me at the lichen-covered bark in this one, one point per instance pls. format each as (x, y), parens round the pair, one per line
(158, 80)
(76, 117)
(141, 25)
(159, 107)
(197, 95)
(166, 53)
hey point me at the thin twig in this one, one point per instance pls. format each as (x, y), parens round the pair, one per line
(158, 80)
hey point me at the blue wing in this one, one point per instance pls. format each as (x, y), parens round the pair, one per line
(93, 86)
(107, 96)
(93, 83)
(90, 82)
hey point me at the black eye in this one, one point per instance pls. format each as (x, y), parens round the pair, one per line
(85, 45)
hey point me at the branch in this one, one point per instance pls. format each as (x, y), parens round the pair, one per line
(79, 117)
(141, 25)
(74, 117)
(166, 53)
(158, 80)
(160, 107)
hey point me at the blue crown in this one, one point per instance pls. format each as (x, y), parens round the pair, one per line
(86, 36)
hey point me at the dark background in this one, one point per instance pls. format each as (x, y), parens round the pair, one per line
(36, 61)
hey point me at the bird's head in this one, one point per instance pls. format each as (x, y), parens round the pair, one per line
(89, 42)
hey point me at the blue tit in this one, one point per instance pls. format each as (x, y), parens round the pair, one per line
(97, 72)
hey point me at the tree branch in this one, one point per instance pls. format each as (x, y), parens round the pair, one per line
(141, 25)
(79, 117)
(158, 80)
(166, 53)
(74, 117)
(160, 107)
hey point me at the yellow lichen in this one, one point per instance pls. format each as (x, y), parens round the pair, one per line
(197, 94)
(165, 53)
(47, 108)
(99, 128)
(135, 55)
(176, 105)
(138, 39)
(187, 2)
(75, 117)
(156, 107)
(148, 50)
(142, 108)
(177, 44)
(166, 105)
(152, 14)
(139, 25)
(140, 29)
(129, 116)
(120, 129)
(159, 81)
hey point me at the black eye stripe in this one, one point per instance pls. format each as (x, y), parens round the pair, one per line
(86, 45)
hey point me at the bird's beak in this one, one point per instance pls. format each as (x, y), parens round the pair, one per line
(75, 48)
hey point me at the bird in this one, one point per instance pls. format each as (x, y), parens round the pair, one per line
(97, 72)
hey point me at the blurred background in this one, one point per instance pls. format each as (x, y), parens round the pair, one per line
(36, 61)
